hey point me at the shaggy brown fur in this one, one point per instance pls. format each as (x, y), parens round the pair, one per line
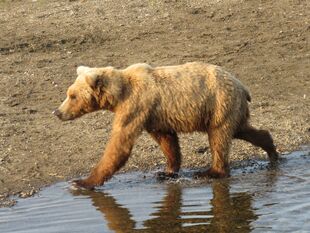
(164, 101)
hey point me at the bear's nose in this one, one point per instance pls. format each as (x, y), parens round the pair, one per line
(57, 113)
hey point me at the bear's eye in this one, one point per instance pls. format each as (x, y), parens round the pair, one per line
(73, 97)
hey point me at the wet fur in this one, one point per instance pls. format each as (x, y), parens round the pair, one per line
(165, 101)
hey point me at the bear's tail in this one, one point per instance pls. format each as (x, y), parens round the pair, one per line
(245, 90)
(248, 96)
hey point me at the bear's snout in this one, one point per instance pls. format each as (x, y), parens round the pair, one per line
(57, 113)
(63, 115)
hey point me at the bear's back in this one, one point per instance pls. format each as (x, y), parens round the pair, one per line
(198, 76)
(189, 93)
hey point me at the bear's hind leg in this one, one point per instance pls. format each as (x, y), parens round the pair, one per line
(220, 141)
(169, 144)
(260, 138)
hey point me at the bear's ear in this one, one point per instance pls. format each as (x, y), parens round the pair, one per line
(93, 80)
(82, 69)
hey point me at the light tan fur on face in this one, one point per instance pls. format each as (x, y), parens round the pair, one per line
(164, 101)
(79, 100)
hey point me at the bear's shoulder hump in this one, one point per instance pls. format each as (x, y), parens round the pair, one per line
(139, 67)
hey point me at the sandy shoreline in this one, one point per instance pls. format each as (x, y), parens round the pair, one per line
(265, 45)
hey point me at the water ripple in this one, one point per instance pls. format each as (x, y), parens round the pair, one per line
(261, 200)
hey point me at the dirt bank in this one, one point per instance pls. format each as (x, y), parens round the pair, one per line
(266, 43)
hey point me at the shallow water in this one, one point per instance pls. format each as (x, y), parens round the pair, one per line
(255, 199)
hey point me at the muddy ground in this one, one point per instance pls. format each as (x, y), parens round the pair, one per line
(265, 43)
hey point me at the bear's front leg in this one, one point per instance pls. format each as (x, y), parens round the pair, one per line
(169, 144)
(115, 156)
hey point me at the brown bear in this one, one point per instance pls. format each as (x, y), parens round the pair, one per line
(164, 101)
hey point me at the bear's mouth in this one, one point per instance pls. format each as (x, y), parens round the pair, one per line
(65, 116)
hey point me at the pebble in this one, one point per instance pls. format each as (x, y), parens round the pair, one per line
(24, 194)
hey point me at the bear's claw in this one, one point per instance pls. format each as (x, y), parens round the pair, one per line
(211, 173)
(82, 184)
(166, 176)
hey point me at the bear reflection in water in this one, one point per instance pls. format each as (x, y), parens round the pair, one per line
(225, 213)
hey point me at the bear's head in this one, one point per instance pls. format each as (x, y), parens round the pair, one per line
(94, 89)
